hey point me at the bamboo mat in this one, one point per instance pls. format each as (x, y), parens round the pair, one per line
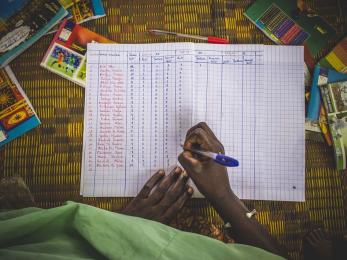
(49, 157)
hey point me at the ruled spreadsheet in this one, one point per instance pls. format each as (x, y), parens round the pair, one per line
(140, 100)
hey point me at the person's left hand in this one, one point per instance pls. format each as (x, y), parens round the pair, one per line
(161, 197)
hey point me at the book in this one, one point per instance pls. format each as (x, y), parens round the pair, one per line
(23, 22)
(337, 58)
(316, 130)
(321, 76)
(335, 101)
(66, 53)
(285, 24)
(17, 116)
(81, 11)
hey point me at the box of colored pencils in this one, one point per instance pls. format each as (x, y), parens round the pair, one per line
(337, 58)
(285, 24)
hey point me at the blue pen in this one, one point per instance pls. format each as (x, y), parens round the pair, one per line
(217, 157)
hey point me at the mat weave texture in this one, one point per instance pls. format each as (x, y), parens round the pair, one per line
(49, 157)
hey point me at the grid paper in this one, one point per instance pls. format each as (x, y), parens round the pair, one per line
(141, 99)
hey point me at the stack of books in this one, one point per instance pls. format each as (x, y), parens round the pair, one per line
(22, 23)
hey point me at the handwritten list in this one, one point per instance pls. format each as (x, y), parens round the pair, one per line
(137, 113)
(140, 100)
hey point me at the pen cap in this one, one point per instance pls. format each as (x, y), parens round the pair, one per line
(212, 39)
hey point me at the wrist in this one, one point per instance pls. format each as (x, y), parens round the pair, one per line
(225, 198)
(229, 206)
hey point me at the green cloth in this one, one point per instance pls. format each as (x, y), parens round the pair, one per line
(76, 230)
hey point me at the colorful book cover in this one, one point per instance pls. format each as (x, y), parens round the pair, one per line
(284, 23)
(321, 76)
(318, 127)
(337, 58)
(23, 22)
(17, 116)
(81, 11)
(66, 54)
(335, 101)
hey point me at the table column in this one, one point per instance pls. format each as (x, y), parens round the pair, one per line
(144, 117)
(132, 162)
(200, 87)
(90, 124)
(232, 105)
(184, 92)
(248, 127)
(170, 145)
(157, 134)
(213, 91)
(111, 116)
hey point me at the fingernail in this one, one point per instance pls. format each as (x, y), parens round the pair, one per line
(162, 172)
(184, 174)
(178, 170)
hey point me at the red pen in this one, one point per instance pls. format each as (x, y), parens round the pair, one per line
(209, 39)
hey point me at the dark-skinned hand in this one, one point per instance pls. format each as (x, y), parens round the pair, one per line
(161, 197)
(209, 177)
(213, 182)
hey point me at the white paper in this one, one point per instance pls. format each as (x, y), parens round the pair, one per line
(141, 99)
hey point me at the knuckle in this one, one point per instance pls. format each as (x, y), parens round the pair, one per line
(147, 187)
(170, 196)
(198, 131)
(161, 189)
(201, 124)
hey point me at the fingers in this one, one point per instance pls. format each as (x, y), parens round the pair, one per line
(199, 139)
(203, 126)
(145, 191)
(172, 211)
(160, 190)
(189, 163)
(174, 192)
(204, 140)
(207, 129)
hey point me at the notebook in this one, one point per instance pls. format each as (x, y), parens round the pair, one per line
(335, 101)
(65, 55)
(81, 11)
(22, 23)
(17, 115)
(140, 100)
(321, 76)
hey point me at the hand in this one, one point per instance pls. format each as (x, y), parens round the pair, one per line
(209, 177)
(161, 197)
(212, 180)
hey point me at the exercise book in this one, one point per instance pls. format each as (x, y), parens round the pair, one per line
(141, 99)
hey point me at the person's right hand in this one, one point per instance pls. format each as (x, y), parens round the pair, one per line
(209, 177)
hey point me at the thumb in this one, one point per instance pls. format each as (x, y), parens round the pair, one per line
(190, 164)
